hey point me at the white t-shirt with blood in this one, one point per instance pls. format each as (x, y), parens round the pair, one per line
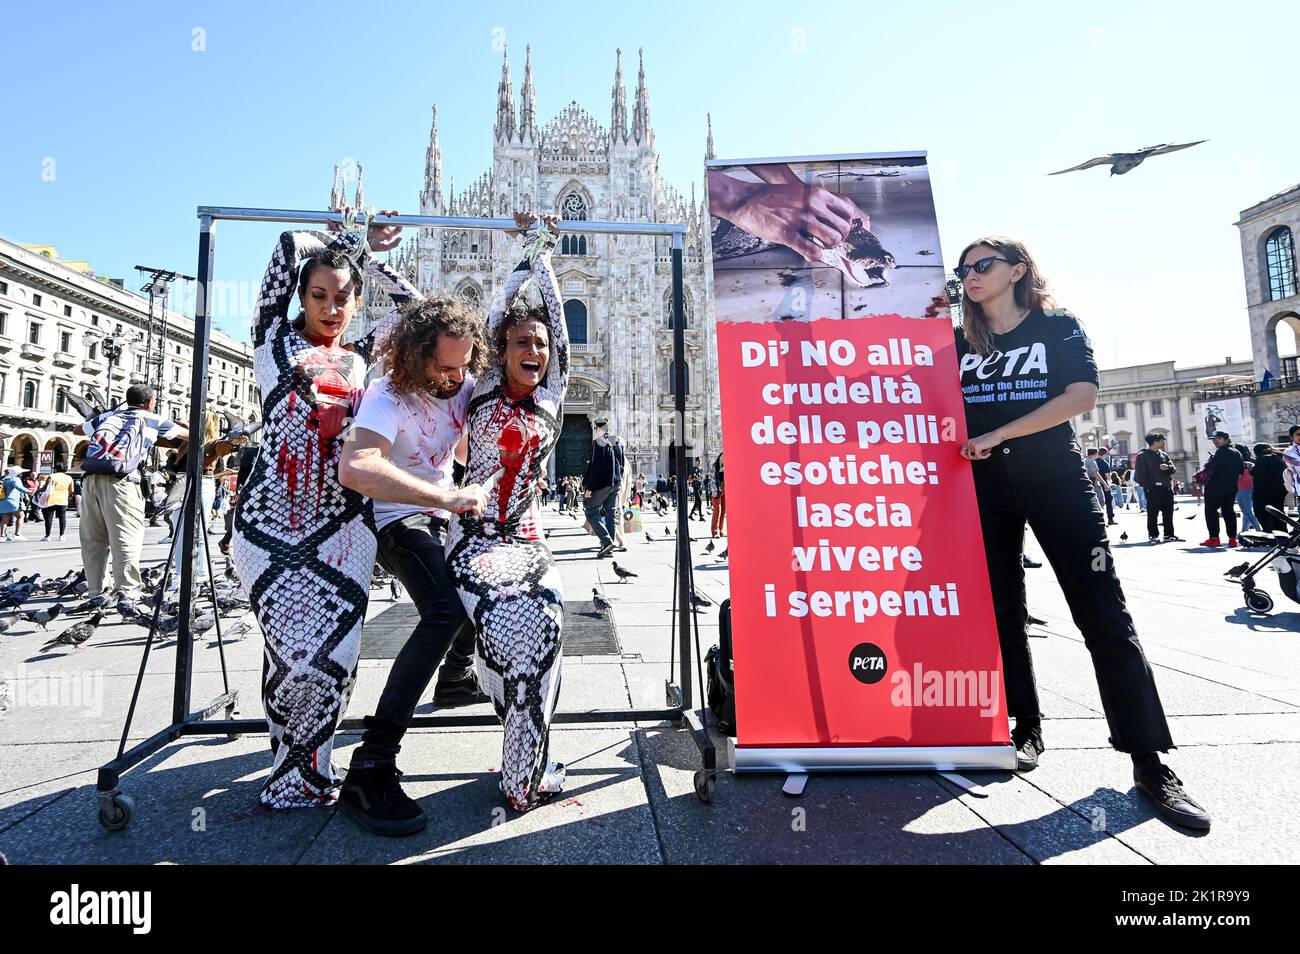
(424, 432)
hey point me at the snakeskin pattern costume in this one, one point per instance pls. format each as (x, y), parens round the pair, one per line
(503, 569)
(305, 545)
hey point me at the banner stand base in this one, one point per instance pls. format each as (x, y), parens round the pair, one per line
(930, 758)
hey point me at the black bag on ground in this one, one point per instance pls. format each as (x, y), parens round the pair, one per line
(720, 688)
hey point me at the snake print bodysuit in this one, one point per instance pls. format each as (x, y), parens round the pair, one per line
(503, 569)
(305, 545)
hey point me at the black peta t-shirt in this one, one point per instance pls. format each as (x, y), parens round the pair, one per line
(1027, 367)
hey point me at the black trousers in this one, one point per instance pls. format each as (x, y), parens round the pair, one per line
(1160, 503)
(56, 511)
(412, 550)
(1265, 499)
(1221, 501)
(1048, 488)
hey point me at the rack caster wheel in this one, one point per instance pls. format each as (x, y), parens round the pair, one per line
(705, 784)
(1257, 601)
(116, 812)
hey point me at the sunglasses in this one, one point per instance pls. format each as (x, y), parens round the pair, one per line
(980, 267)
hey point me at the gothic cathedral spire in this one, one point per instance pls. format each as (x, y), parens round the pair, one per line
(360, 202)
(618, 112)
(336, 194)
(505, 128)
(708, 148)
(431, 197)
(641, 111)
(528, 101)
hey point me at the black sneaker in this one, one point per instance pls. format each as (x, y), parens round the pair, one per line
(1029, 746)
(605, 551)
(1153, 539)
(457, 688)
(374, 797)
(1029, 564)
(1173, 539)
(1172, 803)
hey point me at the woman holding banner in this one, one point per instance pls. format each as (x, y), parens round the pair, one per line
(1027, 469)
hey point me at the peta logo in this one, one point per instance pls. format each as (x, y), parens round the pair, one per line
(867, 663)
(1031, 359)
(103, 907)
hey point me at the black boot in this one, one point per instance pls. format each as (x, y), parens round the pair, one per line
(374, 797)
(1158, 782)
(1028, 740)
(457, 687)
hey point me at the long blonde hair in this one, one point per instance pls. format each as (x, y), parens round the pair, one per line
(1030, 291)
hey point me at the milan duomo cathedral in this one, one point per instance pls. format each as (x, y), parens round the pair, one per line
(617, 289)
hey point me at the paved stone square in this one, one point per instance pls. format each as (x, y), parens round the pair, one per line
(1230, 683)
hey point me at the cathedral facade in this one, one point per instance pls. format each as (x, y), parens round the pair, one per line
(616, 289)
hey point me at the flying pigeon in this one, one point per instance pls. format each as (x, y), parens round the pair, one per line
(623, 574)
(1122, 162)
(598, 601)
(237, 428)
(75, 635)
(85, 408)
(96, 397)
(43, 617)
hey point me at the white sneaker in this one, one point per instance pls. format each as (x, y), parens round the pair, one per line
(45, 539)
(60, 538)
(19, 536)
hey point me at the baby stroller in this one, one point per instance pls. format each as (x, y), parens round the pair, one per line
(1283, 555)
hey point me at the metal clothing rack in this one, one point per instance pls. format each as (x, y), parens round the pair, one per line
(116, 809)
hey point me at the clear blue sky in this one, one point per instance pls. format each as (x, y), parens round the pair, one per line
(142, 128)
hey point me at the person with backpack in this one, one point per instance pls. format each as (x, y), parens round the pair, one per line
(112, 508)
(1269, 487)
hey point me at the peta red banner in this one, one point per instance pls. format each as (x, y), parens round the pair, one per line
(859, 593)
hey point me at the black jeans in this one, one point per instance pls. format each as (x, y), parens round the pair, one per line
(1048, 487)
(1221, 500)
(1160, 503)
(412, 550)
(1267, 521)
(50, 513)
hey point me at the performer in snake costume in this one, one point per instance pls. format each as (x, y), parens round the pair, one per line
(504, 571)
(305, 545)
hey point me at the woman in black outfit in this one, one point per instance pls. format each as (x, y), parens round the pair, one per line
(1025, 372)
(1270, 490)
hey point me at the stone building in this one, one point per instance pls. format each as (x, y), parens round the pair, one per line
(1159, 398)
(616, 289)
(1268, 231)
(47, 306)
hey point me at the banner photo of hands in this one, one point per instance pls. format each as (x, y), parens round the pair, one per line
(864, 635)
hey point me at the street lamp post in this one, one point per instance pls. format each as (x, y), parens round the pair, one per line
(112, 345)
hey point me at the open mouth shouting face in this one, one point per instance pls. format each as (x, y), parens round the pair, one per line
(528, 351)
